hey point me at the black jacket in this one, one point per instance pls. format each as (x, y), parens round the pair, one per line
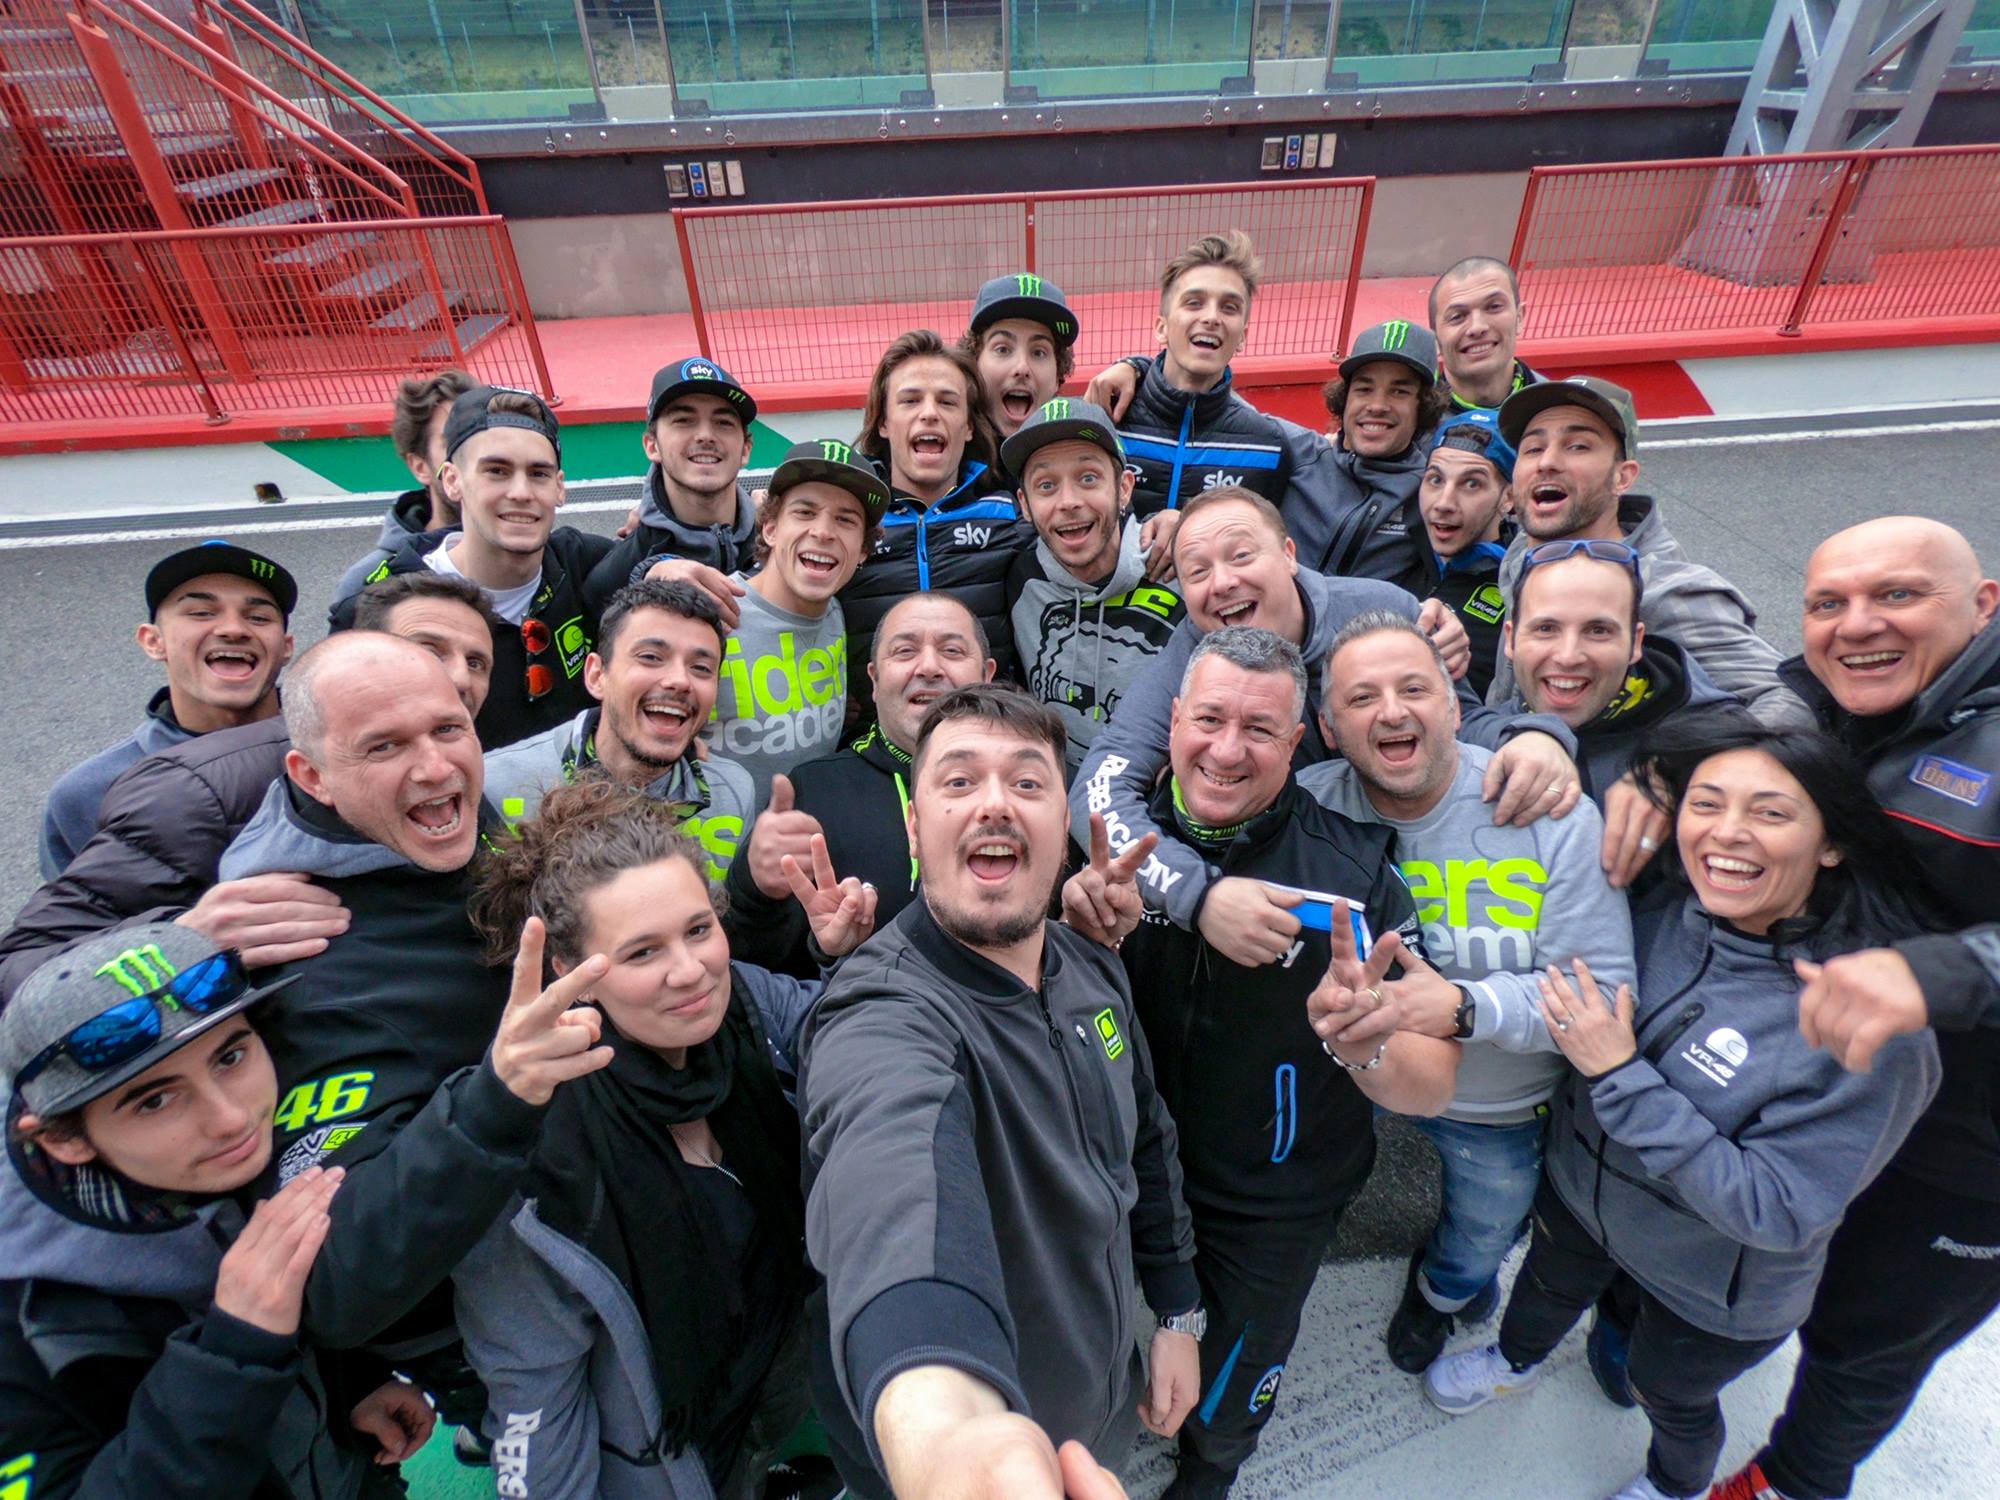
(858, 795)
(378, 1046)
(660, 535)
(509, 713)
(1268, 1125)
(1357, 517)
(1470, 589)
(1181, 442)
(1933, 768)
(962, 544)
(163, 828)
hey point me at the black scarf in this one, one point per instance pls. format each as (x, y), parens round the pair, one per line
(608, 1175)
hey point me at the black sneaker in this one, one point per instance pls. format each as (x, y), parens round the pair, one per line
(1195, 1480)
(1417, 1331)
(1608, 1349)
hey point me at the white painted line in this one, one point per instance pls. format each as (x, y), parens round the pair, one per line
(247, 528)
(1824, 434)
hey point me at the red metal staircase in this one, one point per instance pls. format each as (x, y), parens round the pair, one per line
(201, 217)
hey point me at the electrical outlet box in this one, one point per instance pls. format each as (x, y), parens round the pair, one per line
(677, 180)
(698, 179)
(718, 181)
(1326, 151)
(1274, 154)
(1292, 147)
(1309, 158)
(734, 177)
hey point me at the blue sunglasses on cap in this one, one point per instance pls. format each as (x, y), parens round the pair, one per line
(128, 1029)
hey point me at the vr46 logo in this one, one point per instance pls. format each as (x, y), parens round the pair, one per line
(323, 1100)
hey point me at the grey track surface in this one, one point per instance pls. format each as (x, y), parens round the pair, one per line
(1348, 1421)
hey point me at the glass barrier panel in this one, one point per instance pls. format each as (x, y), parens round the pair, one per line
(740, 56)
(1710, 36)
(1292, 29)
(1982, 32)
(1447, 41)
(1071, 49)
(447, 61)
(965, 36)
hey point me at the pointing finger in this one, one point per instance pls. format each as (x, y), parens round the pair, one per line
(1100, 842)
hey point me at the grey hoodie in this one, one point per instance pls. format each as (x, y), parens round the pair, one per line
(274, 840)
(407, 518)
(661, 535)
(1357, 516)
(557, 1337)
(1499, 904)
(1081, 645)
(1715, 1165)
(719, 794)
(1706, 614)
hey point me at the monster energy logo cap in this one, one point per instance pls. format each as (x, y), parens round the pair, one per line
(1065, 419)
(172, 573)
(703, 376)
(1025, 295)
(832, 462)
(78, 986)
(1398, 339)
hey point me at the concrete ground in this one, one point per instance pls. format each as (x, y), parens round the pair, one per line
(1348, 1423)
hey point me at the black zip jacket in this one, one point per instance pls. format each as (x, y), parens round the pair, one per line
(986, 1167)
(1470, 588)
(162, 830)
(1269, 1126)
(1183, 442)
(661, 535)
(1523, 376)
(1933, 768)
(963, 545)
(858, 795)
(509, 713)
(378, 1046)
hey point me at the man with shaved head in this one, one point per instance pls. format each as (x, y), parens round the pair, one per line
(1902, 664)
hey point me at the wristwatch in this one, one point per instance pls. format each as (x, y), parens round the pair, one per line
(1194, 1323)
(1467, 1014)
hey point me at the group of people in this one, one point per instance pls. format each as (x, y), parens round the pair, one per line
(924, 945)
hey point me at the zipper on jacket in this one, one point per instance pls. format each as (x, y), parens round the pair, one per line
(1180, 457)
(1048, 1020)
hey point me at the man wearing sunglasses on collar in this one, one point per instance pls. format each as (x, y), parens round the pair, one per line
(151, 1337)
(503, 469)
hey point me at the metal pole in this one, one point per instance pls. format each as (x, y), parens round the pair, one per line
(589, 58)
(1332, 36)
(163, 310)
(1354, 266)
(693, 286)
(471, 58)
(437, 30)
(667, 51)
(1857, 170)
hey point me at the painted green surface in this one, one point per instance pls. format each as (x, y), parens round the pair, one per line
(599, 450)
(435, 1475)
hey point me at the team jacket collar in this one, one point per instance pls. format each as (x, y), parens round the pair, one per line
(977, 973)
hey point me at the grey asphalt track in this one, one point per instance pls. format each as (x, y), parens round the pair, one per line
(77, 681)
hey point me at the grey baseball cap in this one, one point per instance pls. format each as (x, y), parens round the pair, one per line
(1399, 339)
(1025, 295)
(1611, 402)
(1062, 420)
(112, 969)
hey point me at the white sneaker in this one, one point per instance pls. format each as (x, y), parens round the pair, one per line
(1643, 1488)
(1460, 1382)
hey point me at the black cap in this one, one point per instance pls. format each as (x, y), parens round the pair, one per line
(1065, 419)
(832, 462)
(1398, 339)
(169, 573)
(698, 374)
(469, 417)
(1025, 295)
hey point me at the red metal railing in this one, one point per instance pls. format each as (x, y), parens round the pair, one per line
(222, 321)
(809, 294)
(1631, 252)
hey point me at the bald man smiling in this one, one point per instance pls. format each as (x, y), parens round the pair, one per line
(1902, 665)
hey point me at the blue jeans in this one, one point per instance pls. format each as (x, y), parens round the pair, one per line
(1490, 1174)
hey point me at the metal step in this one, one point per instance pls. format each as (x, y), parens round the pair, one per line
(224, 183)
(22, 35)
(374, 281)
(418, 312)
(29, 76)
(298, 211)
(472, 332)
(321, 249)
(183, 145)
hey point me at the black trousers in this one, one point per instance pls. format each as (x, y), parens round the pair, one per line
(1255, 1276)
(1912, 1270)
(1676, 1369)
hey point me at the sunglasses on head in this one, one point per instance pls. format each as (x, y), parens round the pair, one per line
(1621, 553)
(129, 1028)
(535, 638)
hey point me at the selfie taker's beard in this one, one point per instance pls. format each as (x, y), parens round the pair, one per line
(990, 930)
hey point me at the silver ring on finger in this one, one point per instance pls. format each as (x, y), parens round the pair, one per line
(1650, 844)
(1562, 1026)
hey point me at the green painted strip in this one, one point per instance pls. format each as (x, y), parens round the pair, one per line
(596, 450)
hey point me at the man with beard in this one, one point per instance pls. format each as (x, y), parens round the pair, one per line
(857, 799)
(1498, 906)
(696, 520)
(423, 404)
(218, 617)
(987, 1160)
(654, 673)
(1023, 339)
(1577, 443)
(1267, 1187)
(1475, 309)
(1085, 619)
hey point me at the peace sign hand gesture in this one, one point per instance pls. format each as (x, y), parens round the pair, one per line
(541, 1041)
(840, 912)
(1102, 900)
(1352, 986)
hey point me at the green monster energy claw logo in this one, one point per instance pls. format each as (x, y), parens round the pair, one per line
(1056, 410)
(835, 452)
(1028, 285)
(140, 970)
(1394, 333)
(262, 569)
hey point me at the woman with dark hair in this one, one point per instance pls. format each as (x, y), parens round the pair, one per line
(1704, 1150)
(636, 1316)
(952, 524)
